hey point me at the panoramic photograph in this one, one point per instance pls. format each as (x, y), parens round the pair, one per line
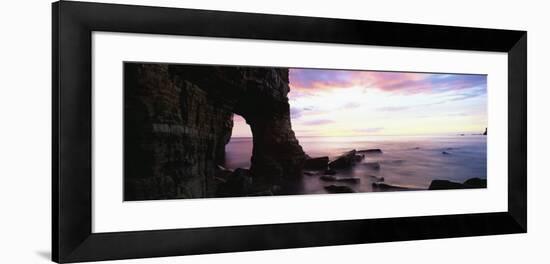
(212, 131)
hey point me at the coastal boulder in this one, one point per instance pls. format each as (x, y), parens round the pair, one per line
(348, 179)
(319, 163)
(238, 183)
(445, 185)
(376, 178)
(468, 184)
(338, 189)
(475, 183)
(327, 178)
(344, 161)
(370, 151)
(222, 173)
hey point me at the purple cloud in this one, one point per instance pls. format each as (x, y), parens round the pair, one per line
(317, 122)
(308, 80)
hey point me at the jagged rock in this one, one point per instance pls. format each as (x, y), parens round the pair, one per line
(222, 173)
(348, 179)
(370, 151)
(475, 183)
(328, 178)
(319, 163)
(372, 165)
(445, 184)
(178, 119)
(346, 160)
(338, 189)
(468, 184)
(238, 183)
(376, 178)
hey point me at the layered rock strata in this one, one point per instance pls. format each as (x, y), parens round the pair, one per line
(178, 119)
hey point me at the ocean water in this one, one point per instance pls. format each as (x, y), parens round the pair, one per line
(407, 161)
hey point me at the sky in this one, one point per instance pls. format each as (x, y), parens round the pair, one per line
(363, 103)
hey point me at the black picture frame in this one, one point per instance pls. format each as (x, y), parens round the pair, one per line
(73, 24)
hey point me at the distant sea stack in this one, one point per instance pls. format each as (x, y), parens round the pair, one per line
(485, 133)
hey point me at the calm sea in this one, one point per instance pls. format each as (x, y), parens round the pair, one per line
(409, 161)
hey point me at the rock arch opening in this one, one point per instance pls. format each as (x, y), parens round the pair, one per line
(179, 119)
(238, 151)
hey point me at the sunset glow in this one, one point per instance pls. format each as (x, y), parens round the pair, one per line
(361, 103)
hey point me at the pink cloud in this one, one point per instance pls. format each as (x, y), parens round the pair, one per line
(308, 81)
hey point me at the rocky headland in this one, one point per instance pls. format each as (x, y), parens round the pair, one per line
(178, 119)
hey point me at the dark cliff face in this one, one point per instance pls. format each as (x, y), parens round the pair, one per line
(178, 119)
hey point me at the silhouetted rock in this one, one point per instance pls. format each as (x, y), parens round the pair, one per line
(346, 160)
(178, 119)
(370, 151)
(475, 183)
(338, 189)
(485, 133)
(348, 179)
(327, 178)
(468, 184)
(330, 172)
(444, 185)
(222, 173)
(445, 153)
(238, 183)
(319, 163)
(309, 173)
(372, 165)
(376, 178)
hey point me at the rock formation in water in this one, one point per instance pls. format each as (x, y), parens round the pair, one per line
(178, 119)
(346, 160)
(468, 184)
(320, 163)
